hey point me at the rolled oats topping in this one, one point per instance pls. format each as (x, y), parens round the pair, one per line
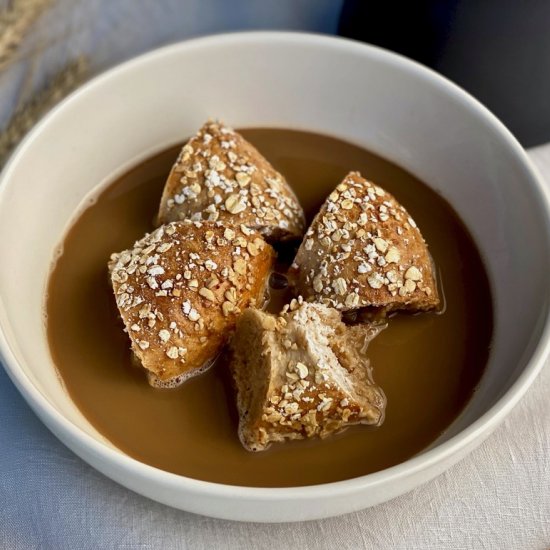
(180, 289)
(363, 249)
(220, 176)
(314, 387)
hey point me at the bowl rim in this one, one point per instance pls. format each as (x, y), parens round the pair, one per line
(426, 459)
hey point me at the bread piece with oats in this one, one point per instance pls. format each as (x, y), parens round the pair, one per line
(221, 176)
(180, 289)
(363, 249)
(302, 374)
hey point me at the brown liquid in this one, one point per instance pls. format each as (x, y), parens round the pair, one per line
(428, 365)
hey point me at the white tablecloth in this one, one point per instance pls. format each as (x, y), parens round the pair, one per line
(498, 497)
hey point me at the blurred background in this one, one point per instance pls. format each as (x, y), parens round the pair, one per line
(498, 50)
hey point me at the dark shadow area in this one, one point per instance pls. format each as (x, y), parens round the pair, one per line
(498, 50)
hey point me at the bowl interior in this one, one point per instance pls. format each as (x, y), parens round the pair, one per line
(363, 95)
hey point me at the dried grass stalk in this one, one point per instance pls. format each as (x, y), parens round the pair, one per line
(15, 21)
(28, 114)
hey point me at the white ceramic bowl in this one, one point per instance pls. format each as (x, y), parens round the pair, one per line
(362, 94)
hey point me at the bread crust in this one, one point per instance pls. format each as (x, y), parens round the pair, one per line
(221, 176)
(303, 374)
(363, 249)
(180, 289)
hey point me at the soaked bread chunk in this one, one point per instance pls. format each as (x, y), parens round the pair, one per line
(363, 249)
(219, 176)
(302, 374)
(180, 289)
